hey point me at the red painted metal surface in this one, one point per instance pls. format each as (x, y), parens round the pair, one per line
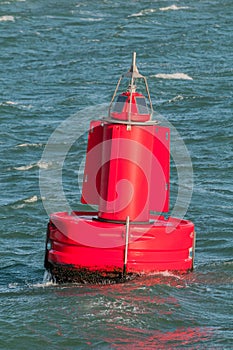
(127, 171)
(79, 241)
(91, 183)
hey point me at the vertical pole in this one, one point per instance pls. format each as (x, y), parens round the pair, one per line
(134, 60)
(126, 245)
(133, 69)
(194, 247)
(130, 100)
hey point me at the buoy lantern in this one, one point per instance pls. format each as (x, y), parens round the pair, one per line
(126, 177)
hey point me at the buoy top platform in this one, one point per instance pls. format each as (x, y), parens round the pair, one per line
(131, 106)
(126, 179)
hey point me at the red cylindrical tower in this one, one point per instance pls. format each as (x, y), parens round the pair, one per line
(125, 176)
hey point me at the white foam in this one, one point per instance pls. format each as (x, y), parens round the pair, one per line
(26, 201)
(42, 285)
(138, 14)
(7, 19)
(41, 165)
(91, 19)
(173, 7)
(24, 167)
(30, 145)
(11, 103)
(32, 199)
(48, 280)
(142, 13)
(176, 98)
(18, 206)
(169, 274)
(13, 285)
(180, 76)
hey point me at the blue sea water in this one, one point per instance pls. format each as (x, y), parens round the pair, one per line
(63, 58)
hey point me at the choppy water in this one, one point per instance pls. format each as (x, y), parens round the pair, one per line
(58, 58)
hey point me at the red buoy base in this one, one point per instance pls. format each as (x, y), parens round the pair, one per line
(81, 248)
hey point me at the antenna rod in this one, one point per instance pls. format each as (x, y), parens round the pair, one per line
(133, 68)
(134, 60)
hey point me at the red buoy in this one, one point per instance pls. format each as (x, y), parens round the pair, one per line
(127, 177)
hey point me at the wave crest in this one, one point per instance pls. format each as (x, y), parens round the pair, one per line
(142, 13)
(40, 164)
(180, 76)
(7, 19)
(173, 7)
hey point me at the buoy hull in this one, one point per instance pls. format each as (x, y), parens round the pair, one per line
(74, 256)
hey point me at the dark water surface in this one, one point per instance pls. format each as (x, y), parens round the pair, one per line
(59, 57)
